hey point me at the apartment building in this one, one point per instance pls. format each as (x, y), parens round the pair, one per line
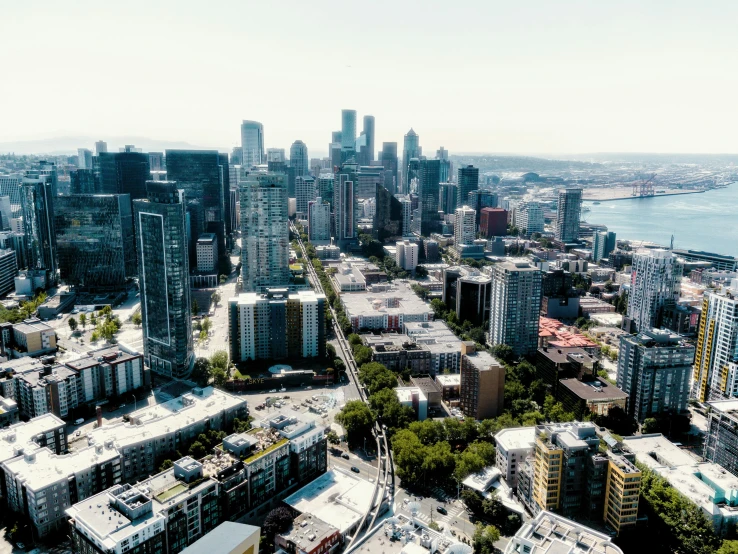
(513, 447)
(32, 337)
(482, 383)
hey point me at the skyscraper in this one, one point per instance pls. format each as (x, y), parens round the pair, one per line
(389, 162)
(124, 173)
(467, 181)
(84, 158)
(275, 155)
(442, 154)
(654, 284)
(299, 160)
(37, 201)
(252, 143)
(464, 226)
(515, 306)
(197, 172)
(100, 146)
(325, 186)
(319, 221)
(529, 218)
(369, 134)
(348, 133)
(304, 193)
(163, 275)
(265, 247)
(84, 181)
(10, 185)
(410, 149)
(387, 216)
(344, 205)
(716, 361)
(429, 191)
(653, 370)
(603, 242)
(95, 241)
(568, 215)
(447, 197)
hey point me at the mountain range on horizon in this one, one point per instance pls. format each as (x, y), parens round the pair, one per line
(68, 145)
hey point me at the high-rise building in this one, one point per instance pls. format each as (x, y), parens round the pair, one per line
(299, 160)
(252, 143)
(344, 205)
(429, 191)
(124, 173)
(304, 192)
(464, 226)
(515, 306)
(721, 439)
(387, 216)
(493, 222)
(10, 185)
(265, 247)
(410, 149)
(8, 271)
(716, 359)
(207, 253)
(653, 370)
(275, 155)
(442, 154)
(348, 134)
(529, 218)
(480, 199)
(84, 181)
(163, 276)
(654, 285)
(390, 165)
(100, 146)
(325, 185)
(603, 242)
(276, 325)
(568, 215)
(84, 158)
(482, 384)
(447, 197)
(38, 191)
(467, 181)
(95, 239)
(406, 254)
(319, 220)
(369, 134)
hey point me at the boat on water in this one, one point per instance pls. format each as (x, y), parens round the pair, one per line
(596, 203)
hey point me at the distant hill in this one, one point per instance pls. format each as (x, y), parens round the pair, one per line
(69, 145)
(500, 163)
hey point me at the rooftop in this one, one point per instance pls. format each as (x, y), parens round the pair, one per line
(395, 299)
(597, 390)
(562, 336)
(306, 529)
(225, 538)
(516, 438)
(483, 360)
(452, 380)
(16, 437)
(32, 325)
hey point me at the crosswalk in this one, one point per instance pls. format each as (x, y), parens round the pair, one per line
(453, 513)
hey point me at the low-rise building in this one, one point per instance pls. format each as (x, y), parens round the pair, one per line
(413, 397)
(450, 386)
(228, 538)
(385, 307)
(9, 413)
(328, 252)
(32, 337)
(443, 344)
(308, 534)
(513, 447)
(43, 431)
(589, 396)
(554, 364)
(398, 353)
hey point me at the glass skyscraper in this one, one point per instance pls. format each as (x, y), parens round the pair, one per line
(163, 274)
(37, 200)
(428, 191)
(95, 241)
(124, 173)
(410, 149)
(468, 181)
(389, 162)
(252, 144)
(265, 245)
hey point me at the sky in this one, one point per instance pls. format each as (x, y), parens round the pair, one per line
(538, 77)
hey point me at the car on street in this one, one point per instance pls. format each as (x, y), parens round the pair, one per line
(355, 469)
(77, 433)
(20, 546)
(441, 510)
(345, 456)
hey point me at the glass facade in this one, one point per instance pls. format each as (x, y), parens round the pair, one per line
(95, 243)
(124, 173)
(37, 194)
(429, 187)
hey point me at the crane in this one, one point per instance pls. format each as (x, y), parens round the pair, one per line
(645, 188)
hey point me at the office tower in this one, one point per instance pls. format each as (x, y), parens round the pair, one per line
(410, 149)
(304, 192)
(276, 155)
(95, 241)
(299, 159)
(276, 325)
(225, 181)
(442, 154)
(482, 384)
(493, 222)
(252, 143)
(715, 364)
(529, 218)
(8, 271)
(319, 220)
(568, 214)
(367, 180)
(37, 201)
(100, 147)
(325, 185)
(428, 191)
(515, 306)
(447, 197)
(344, 206)
(406, 254)
(390, 165)
(265, 245)
(163, 279)
(156, 161)
(480, 199)
(84, 158)
(603, 242)
(6, 213)
(387, 215)
(84, 181)
(468, 181)
(207, 253)
(464, 227)
(348, 133)
(568, 474)
(653, 370)
(197, 173)
(467, 291)
(369, 134)
(10, 185)
(655, 283)
(124, 173)
(407, 213)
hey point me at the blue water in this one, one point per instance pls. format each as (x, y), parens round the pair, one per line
(707, 221)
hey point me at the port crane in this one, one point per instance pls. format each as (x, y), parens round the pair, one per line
(645, 188)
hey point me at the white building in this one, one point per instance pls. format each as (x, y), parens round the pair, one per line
(407, 213)
(304, 193)
(406, 255)
(275, 155)
(207, 253)
(319, 220)
(252, 143)
(655, 282)
(415, 399)
(529, 217)
(444, 345)
(465, 228)
(385, 307)
(568, 215)
(513, 447)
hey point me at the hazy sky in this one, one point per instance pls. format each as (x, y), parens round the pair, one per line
(474, 76)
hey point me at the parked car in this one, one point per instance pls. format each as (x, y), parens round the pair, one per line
(345, 456)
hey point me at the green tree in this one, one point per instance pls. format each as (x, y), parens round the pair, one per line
(330, 351)
(197, 450)
(385, 404)
(93, 320)
(72, 324)
(503, 352)
(554, 411)
(83, 319)
(195, 307)
(728, 547)
(207, 325)
(165, 465)
(137, 319)
(485, 537)
(473, 500)
(421, 272)
(354, 339)
(276, 521)
(650, 425)
(219, 359)
(429, 431)
(215, 297)
(201, 372)
(219, 376)
(95, 336)
(222, 279)
(357, 419)
(408, 453)
(439, 308)
(362, 355)
(332, 437)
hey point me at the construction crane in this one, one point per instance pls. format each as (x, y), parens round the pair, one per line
(644, 188)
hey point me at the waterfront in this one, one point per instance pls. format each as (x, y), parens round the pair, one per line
(707, 221)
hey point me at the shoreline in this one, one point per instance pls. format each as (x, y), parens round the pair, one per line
(643, 197)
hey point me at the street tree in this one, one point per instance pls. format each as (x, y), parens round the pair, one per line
(72, 324)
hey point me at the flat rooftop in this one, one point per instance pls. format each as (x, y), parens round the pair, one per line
(395, 299)
(655, 451)
(226, 537)
(32, 326)
(597, 390)
(19, 435)
(452, 380)
(308, 529)
(550, 533)
(516, 438)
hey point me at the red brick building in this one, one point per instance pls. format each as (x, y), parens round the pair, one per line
(493, 222)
